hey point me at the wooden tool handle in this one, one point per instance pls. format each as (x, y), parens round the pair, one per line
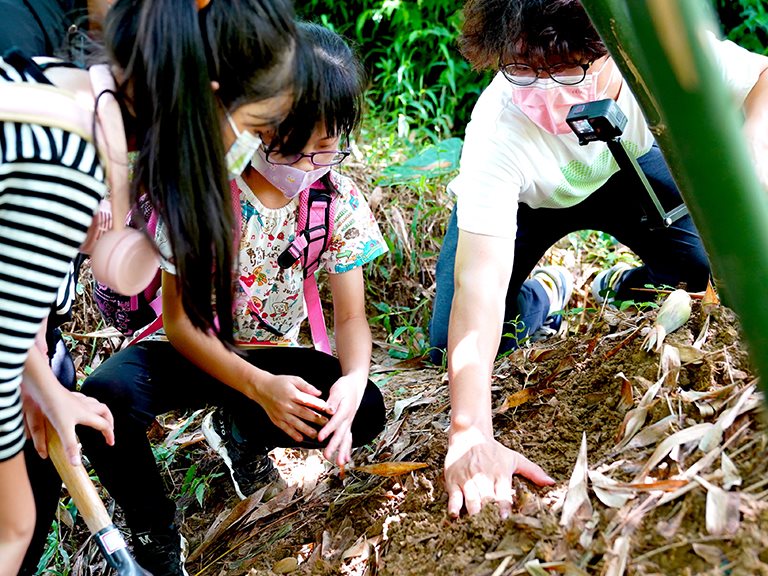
(78, 483)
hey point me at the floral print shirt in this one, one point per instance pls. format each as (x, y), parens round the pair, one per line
(269, 301)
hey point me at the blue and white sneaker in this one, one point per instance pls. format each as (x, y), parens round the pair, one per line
(606, 283)
(558, 284)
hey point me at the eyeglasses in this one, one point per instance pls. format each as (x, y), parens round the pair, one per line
(567, 74)
(329, 158)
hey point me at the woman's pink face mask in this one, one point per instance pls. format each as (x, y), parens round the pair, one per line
(547, 103)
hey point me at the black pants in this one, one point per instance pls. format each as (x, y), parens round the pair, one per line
(152, 378)
(45, 481)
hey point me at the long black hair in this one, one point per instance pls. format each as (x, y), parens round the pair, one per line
(170, 53)
(330, 91)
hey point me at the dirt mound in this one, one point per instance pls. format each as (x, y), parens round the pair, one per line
(673, 470)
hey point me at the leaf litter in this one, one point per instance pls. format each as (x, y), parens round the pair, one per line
(659, 461)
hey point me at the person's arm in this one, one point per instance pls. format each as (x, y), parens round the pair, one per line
(290, 402)
(45, 397)
(477, 467)
(353, 345)
(756, 123)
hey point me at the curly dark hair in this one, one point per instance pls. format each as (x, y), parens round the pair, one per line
(535, 32)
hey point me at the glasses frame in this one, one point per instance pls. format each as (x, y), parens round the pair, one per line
(311, 155)
(512, 79)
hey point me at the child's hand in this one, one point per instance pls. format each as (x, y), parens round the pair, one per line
(343, 401)
(291, 403)
(65, 410)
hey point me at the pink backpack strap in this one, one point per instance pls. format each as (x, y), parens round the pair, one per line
(314, 226)
(314, 306)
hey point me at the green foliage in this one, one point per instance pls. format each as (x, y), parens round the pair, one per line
(195, 485)
(745, 22)
(421, 87)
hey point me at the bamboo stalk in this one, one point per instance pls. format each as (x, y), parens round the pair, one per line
(662, 50)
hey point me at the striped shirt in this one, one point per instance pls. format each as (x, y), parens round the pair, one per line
(51, 183)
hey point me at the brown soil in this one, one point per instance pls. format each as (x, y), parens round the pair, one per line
(327, 523)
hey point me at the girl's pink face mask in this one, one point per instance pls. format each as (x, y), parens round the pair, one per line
(547, 103)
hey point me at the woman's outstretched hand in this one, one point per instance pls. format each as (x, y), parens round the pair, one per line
(479, 469)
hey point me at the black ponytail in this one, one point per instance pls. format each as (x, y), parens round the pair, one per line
(170, 54)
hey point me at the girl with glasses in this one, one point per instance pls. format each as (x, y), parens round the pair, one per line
(273, 392)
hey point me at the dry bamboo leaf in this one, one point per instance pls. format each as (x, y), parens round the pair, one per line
(669, 365)
(746, 402)
(566, 364)
(710, 300)
(634, 419)
(626, 400)
(709, 553)
(286, 565)
(390, 468)
(617, 557)
(650, 395)
(362, 547)
(731, 476)
(702, 337)
(523, 396)
(694, 396)
(607, 491)
(536, 568)
(541, 354)
(218, 528)
(689, 354)
(577, 504)
(518, 399)
(663, 485)
(651, 434)
(714, 436)
(722, 516)
(276, 504)
(692, 434)
(401, 405)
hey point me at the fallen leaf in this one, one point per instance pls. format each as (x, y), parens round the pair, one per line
(390, 468)
(577, 504)
(711, 554)
(523, 396)
(669, 365)
(617, 557)
(626, 400)
(607, 491)
(635, 418)
(731, 476)
(722, 515)
(691, 434)
(651, 434)
(664, 485)
(285, 566)
(362, 547)
(689, 354)
(710, 300)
